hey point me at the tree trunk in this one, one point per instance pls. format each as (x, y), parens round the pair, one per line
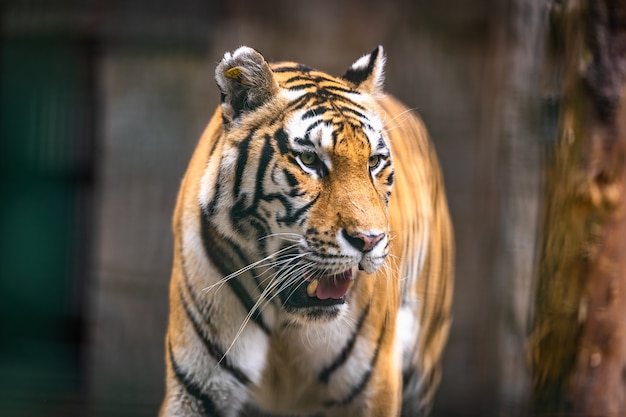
(578, 340)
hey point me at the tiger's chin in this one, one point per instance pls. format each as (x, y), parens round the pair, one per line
(303, 316)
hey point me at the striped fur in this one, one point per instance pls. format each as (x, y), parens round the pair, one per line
(313, 252)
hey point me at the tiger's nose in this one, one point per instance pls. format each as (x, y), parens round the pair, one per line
(362, 241)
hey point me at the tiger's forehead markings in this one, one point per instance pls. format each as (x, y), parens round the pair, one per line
(323, 107)
(321, 128)
(312, 132)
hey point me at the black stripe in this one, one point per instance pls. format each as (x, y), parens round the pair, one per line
(305, 141)
(263, 228)
(267, 154)
(292, 181)
(390, 178)
(337, 91)
(211, 206)
(311, 78)
(290, 67)
(407, 376)
(387, 163)
(212, 346)
(291, 218)
(192, 388)
(192, 293)
(302, 86)
(216, 141)
(282, 141)
(337, 131)
(324, 95)
(243, 216)
(211, 246)
(364, 379)
(302, 101)
(345, 110)
(314, 125)
(298, 78)
(381, 144)
(328, 81)
(326, 373)
(217, 255)
(242, 160)
(316, 111)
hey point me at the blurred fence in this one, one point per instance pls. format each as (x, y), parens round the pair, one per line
(102, 103)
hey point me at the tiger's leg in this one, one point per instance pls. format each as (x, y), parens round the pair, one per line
(188, 397)
(196, 386)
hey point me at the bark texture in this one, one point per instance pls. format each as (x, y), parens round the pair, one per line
(578, 340)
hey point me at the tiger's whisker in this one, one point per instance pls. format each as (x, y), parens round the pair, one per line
(401, 114)
(246, 268)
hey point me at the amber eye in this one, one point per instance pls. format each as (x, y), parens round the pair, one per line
(374, 161)
(308, 158)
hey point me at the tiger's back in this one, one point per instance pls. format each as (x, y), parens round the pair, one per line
(302, 284)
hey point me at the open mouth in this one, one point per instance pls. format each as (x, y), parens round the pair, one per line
(320, 290)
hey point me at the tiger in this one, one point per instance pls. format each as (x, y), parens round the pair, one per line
(313, 250)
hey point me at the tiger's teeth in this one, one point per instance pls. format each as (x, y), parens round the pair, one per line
(311, 289)
(350, 283)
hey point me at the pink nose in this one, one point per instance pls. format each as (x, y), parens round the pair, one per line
(362, 241)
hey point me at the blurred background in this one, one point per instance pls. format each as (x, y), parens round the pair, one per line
(101, 105)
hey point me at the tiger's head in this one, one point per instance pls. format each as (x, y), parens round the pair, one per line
(300, 177)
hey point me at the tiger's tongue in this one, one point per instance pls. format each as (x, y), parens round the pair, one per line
(333, 286)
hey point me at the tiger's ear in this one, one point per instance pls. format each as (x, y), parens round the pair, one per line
(245, 81)
(368, 72)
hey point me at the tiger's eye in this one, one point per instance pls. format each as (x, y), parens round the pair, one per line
(373, 161)
(308, 158)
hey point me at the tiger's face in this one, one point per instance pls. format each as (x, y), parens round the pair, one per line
(310, 193)
(339, 169)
